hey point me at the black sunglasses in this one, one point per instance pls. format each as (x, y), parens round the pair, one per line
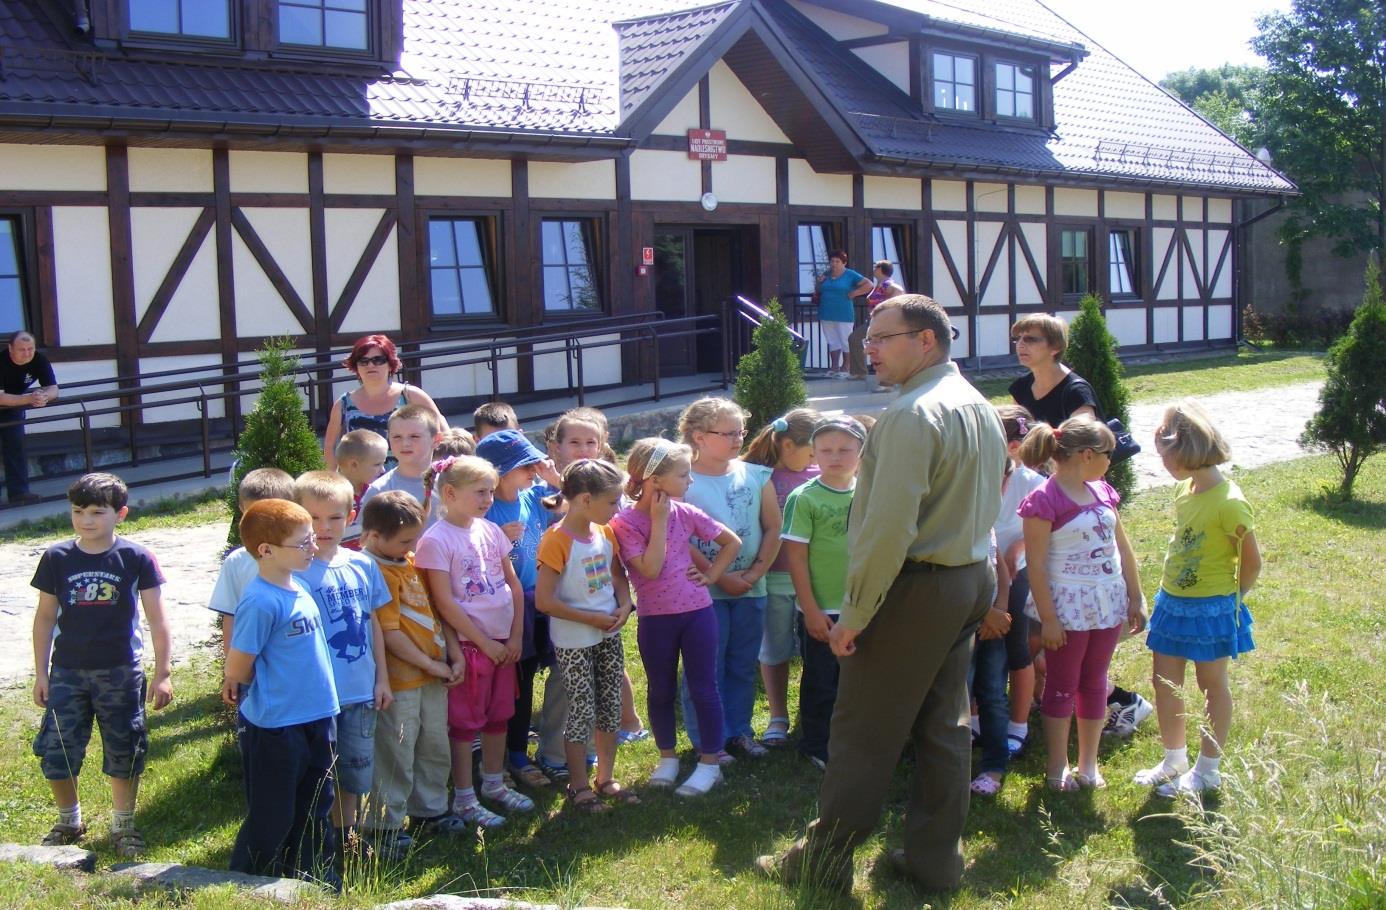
(376, 360)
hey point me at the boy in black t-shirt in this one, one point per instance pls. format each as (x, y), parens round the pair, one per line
(88, 619)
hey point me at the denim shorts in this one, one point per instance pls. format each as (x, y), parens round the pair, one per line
(779, 644)
(114, 696)
(356, 748)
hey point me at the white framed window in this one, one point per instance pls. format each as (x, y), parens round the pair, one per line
(1015, 91)
(570, 256)
(1121, 262)
(185, 18)
(955, 82)
(325, 23)
(461, 254)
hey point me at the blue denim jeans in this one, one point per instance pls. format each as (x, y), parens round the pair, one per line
(740, 626)
(990, 673)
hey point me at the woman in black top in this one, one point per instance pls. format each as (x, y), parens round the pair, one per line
(1052, 392)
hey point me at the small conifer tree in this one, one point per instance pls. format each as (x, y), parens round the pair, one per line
(1092, 354)
(1351, 421)
(277, 433)
(769, 378)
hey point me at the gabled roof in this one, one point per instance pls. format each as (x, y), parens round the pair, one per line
(582, 72)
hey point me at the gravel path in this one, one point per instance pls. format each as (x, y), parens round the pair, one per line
(1262, 426)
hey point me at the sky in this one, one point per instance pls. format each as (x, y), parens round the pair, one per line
(1170, 35)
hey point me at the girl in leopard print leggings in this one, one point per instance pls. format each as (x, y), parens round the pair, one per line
(584, 591)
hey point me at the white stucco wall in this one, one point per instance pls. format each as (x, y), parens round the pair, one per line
(461, 177)
(170, 170)
(52, 167)
(666, 176)
(744, 178)
(268, 172)
(82, 254)
(577, 180)
(808, 187)
(372, 175)
(892, 193)
(734, 109)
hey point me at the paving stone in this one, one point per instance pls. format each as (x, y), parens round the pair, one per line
(177, 877)
(72, 857)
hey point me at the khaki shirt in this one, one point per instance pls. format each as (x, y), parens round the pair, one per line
(929, 487)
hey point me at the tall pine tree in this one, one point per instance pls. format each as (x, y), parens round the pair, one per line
(769, 378)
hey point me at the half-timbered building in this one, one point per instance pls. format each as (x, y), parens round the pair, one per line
(180, 179)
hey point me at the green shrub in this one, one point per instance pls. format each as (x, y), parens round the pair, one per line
(1315, 329)
(1351, 421)
(277, 433)
(770, 379)
(1092, 355)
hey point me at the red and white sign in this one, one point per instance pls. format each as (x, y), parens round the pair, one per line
(647, 255)
(707, 145)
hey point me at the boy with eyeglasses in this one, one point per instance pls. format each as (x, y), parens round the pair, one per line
(287, 717)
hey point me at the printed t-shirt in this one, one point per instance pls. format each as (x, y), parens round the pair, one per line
(17, 379)
(237, 569)
(409, 611)
(472, 558)
(394, 480)
(98, 596)
(1009, 528)
(671, 591)
(584, 582)
(293, 682)
(816, 514)
(346, 590)
(732, 499)
(834, 304)
(527, 509)
(785, 482)
(1202, 557)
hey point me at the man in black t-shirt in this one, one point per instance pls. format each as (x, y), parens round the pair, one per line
(26, 381)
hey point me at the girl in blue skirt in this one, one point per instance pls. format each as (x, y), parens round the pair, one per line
(1200, 611)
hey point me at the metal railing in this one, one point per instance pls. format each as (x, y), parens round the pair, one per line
(91, 402)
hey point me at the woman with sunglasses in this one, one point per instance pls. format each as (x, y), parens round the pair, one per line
(1051, 392)
(374, 361)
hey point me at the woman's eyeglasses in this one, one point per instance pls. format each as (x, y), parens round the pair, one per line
(375, 360)
(1027, 339)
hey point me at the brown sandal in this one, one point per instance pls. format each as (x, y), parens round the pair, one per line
(585, 800)
(612, 789)
(62, 835)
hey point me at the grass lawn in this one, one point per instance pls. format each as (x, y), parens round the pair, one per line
(175, 512)
(1301, 823)
(1238, 371)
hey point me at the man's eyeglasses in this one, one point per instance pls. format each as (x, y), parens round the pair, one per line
(375, 360)
(875, 341)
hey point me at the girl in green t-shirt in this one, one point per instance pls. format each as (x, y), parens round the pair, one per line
(1200, 614)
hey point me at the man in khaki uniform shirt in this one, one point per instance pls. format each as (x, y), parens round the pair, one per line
(918, 584)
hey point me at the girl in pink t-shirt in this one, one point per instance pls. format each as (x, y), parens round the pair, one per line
(465, 561)
(672, 601)
(1083, 587)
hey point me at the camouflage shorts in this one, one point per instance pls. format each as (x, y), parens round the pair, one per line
(114, 696)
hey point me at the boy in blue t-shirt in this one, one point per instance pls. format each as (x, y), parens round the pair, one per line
(239, 567)
(287, 725)
(347, 587)
(87, 618)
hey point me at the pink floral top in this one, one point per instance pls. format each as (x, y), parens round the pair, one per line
(472, 557)
(671, 591)
(1084, 564)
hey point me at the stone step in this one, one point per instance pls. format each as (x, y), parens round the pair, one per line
(72, 857)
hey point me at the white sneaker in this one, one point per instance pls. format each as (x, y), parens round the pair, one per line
(1190, 783)
(703, 779)
(666, 774)
(1160, 774)
(1124, 719)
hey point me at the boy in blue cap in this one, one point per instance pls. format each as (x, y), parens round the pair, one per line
(521, 515)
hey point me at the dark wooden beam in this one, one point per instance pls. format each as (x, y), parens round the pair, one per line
(413, 297)
(122, 269)
(273, 272)
(321, 326)
(176, 272)
(226, 274)
(47, 277)
(364, 264)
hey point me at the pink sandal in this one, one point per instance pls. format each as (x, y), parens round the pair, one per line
(985, 785)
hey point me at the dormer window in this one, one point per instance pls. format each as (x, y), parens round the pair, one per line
(1015, 91)
(324, 23)
(955, 83)
(185, 18)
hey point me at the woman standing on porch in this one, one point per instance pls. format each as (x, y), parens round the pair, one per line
(374, 361)
(836, 314)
